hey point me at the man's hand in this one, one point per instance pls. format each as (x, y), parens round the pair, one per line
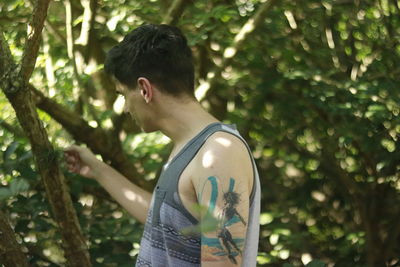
(135, 200)
(82, 161)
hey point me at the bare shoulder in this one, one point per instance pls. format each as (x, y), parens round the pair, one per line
(224, 155)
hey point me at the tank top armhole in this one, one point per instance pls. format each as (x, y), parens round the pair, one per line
(234, 132)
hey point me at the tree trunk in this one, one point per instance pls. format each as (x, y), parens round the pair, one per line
(14, 82)
(10, 251)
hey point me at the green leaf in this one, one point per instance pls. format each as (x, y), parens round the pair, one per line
(18, 185)
(4, 193)
(25, 156)
(316, 263)
(10, 150)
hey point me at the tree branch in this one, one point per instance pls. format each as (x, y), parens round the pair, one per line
(70, 45)
(98, 140)
(88, 17)
(10, 251)
(175, 12)
(55, 32)
(79, 87)
(51, 79)
(5, 56)
(206, 88)
(33, 39)
(15, 130)
(53, 179)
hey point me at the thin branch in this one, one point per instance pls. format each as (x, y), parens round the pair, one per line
(5, 55)
(51, 80)
(51, 28)
(79, 88)
(55, 32)
(252, 23)
(33, 38)
(88, 17)
(175, 12)
(70, 42)
(15, 130)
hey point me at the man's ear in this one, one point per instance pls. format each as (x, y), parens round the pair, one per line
(146, 89)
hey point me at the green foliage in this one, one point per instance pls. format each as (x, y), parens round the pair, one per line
(314, 89)
(16, 186)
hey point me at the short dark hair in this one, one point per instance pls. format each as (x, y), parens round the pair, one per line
(157, 52)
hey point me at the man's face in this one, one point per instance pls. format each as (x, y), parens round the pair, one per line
(136, 106)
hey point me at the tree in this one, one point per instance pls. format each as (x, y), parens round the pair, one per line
(312, 85)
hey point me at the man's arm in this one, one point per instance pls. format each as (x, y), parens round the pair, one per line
(134, 199)
(223, 184)
(130, 196)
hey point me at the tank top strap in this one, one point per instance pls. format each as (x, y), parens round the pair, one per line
(190, 150)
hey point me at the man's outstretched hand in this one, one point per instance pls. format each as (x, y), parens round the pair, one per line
(82, 161)
(134, 199)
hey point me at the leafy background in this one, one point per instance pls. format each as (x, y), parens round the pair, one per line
(312, 85)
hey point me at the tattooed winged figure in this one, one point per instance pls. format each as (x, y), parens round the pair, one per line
(229, 211)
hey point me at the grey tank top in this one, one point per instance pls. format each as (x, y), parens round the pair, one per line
(164, 241)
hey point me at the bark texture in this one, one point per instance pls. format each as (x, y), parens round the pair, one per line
(11, 253)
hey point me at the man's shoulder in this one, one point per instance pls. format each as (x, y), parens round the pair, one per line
(225, 144)
(223, 154)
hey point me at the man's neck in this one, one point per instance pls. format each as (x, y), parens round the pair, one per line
(183, 121)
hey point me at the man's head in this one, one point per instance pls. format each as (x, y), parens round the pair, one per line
(158, 53)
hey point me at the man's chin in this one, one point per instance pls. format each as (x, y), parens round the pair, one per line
(148, 130)
(143, 127)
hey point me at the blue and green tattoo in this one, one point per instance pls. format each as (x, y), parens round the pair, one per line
(225, 244)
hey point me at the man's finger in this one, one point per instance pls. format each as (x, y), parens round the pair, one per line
(72, 148)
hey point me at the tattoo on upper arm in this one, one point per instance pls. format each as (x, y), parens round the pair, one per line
(225, 243)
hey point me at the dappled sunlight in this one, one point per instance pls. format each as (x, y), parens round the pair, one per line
(207, 159)
(223, 141)
(229, 52)
(93, 123)
(209, 156)
(291, 19)
(86, 200)
(132, 196)
(117, 214)
(306, 258)
(119, 104)
(202, 89)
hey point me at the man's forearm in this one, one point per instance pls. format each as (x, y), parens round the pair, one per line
(130, 196)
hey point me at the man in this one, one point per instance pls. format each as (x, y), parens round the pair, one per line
(205, 207)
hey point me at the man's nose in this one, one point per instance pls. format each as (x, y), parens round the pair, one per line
(126, 109)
